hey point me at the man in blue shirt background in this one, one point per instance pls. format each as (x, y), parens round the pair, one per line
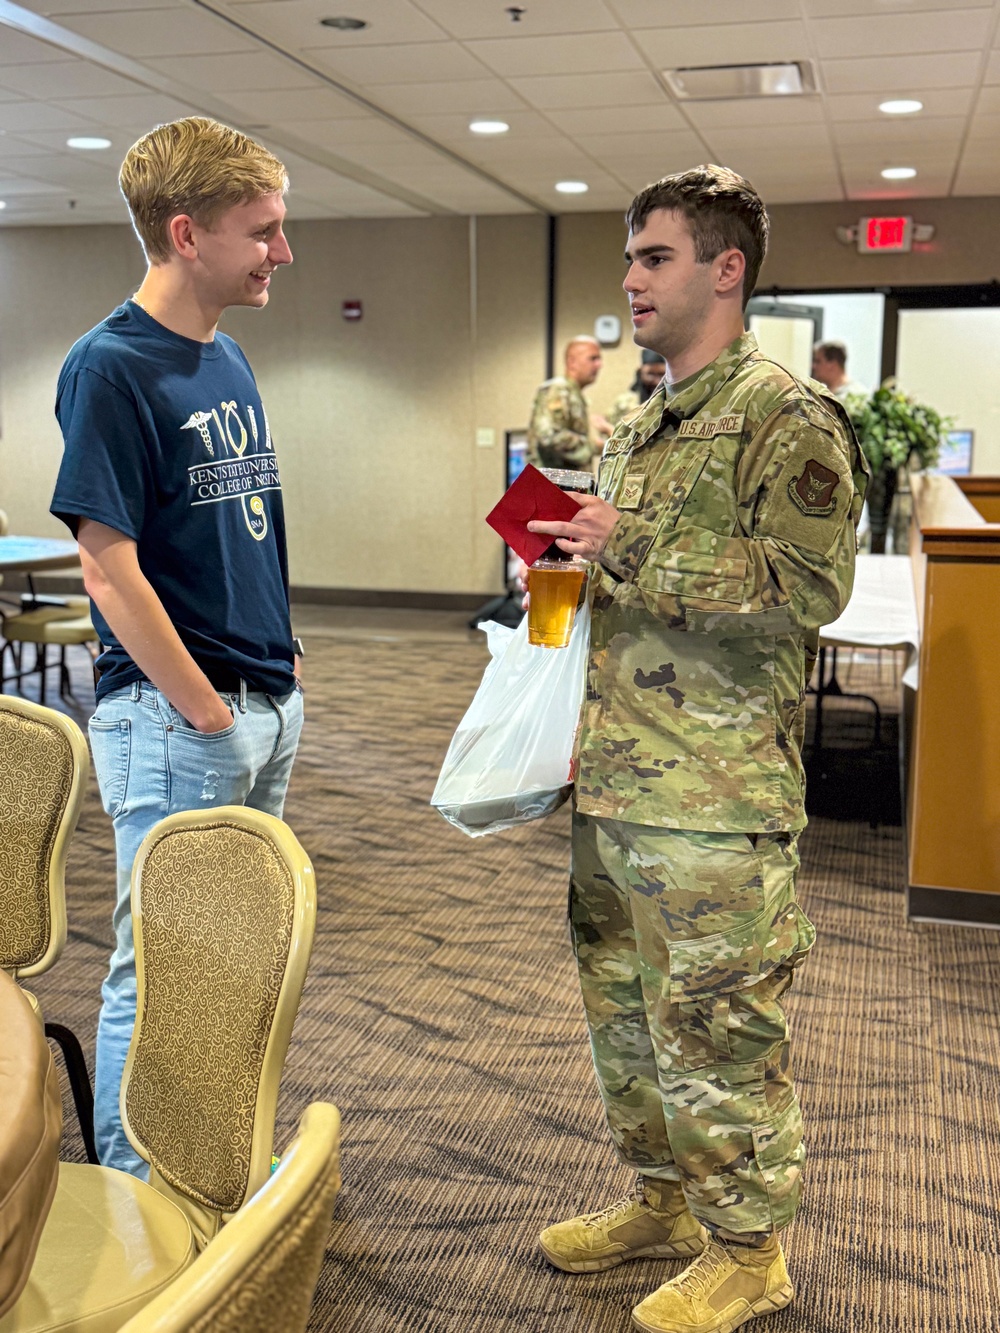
(170, 482)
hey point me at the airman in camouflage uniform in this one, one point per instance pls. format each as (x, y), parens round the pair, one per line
(647, 378)
(559, 431)
(734, 497)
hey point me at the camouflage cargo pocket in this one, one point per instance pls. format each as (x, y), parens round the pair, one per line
(780, 1157)
(726, 987)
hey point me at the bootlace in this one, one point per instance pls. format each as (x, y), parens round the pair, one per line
(616, 1209)
(703, 1272)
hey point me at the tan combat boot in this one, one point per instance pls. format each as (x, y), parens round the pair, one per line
(653, 1223)
(726, 1286)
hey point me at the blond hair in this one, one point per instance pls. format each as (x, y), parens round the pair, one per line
(194, 166)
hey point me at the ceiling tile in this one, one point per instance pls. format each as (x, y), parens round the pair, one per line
(467, 21)
(122, 112)
(32, 116)
(296, 23)
(987, 105)
(55, 8)
(893, 134)
(560, 91)
(240, 73)
(651, 166)
(784, 139)
(985, 130)
(418, 62)
(65, 78)
(992, 74)
(20, 49)
(937, 102)
(339, 134)
(578, 53)
(453, 128)
(724, 44)
(184, 31)
(900, 10)
(608, 146)
(951, 30)
(11, 185)
(477, 97)
(879, 75)
(764, 112)
(696, 13)
(644, 121)
(800, 191)
(293, 104)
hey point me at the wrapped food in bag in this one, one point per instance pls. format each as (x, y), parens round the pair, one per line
(509, 761)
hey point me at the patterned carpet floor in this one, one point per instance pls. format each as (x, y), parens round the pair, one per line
(441, 1015)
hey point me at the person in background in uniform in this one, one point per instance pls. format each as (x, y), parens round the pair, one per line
(829, 366)
(559, 434)
(723, 537)
(647, 377)
(170, 483)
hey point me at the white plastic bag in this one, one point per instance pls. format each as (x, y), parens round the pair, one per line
(509, 760)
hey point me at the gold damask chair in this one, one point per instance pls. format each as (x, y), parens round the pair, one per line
(224, 909)
(30, 1125)
(44, 764)
(259, 1274)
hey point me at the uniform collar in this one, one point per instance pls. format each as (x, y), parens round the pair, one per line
(687, 397)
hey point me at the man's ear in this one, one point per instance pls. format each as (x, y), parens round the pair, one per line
(732, 267)
(181, 230)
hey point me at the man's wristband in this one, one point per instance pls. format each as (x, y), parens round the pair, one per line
(297, 648)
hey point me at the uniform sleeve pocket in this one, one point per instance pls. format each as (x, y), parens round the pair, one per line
(111, 744)
(693, 574)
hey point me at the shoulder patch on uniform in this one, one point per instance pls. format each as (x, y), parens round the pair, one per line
(813, 491)
(709, 427)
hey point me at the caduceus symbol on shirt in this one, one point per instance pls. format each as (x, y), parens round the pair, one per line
(199, 421)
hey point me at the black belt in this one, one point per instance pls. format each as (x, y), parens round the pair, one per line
(223, 679)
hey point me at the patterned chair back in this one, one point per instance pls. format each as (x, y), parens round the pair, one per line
(260, 1273)
(223, 910)
(44, 764)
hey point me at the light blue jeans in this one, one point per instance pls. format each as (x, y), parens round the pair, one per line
(150, 763)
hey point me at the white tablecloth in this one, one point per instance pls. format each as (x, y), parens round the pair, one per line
(882, 612)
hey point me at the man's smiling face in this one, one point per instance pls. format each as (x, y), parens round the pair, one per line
(240, 250)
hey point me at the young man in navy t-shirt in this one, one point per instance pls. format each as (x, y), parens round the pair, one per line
(170, 482)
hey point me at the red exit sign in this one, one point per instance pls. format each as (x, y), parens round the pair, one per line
(882, 236)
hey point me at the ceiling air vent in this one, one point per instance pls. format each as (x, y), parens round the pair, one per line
(721, 83)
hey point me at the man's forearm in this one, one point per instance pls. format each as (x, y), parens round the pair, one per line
(129, 604)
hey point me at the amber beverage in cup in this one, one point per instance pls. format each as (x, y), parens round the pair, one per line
(554, 591)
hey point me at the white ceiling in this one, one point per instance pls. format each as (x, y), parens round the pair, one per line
(375, 123)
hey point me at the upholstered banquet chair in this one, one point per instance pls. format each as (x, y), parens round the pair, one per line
(259, 1273)
(224, 908)
(57, 622)
(44, 764)
(30, 1125)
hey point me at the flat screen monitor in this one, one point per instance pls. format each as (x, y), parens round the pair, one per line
(517, 454)
(956, 454)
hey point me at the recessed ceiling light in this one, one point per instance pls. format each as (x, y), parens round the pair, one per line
(899, 173)
(3, 203)
(904, 106)
(488, 126)
(344, 24)
(87, 141)
(572, 187)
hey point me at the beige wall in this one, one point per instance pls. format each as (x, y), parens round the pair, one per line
(375, 422)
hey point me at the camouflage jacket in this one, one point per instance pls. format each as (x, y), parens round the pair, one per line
(559, 433)
(624, 405)
(739, 490)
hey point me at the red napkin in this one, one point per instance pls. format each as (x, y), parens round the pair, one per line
(531, 496)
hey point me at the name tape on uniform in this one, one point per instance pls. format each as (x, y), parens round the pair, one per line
(705, 430)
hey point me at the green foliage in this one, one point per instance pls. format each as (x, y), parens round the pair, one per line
(893, 428)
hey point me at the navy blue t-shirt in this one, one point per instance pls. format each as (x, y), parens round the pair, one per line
(166, 440)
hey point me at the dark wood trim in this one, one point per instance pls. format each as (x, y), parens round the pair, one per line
(960, 906)
(890, 338)
(422, 601)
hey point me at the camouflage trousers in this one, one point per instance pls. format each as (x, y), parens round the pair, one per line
(685, 944)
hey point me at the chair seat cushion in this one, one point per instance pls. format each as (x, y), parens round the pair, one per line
(110, 1244)
(49, 624)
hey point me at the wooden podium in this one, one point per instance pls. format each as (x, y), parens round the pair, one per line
(953, 787)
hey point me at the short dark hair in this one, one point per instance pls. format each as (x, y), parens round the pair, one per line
(723, 210)
(831, 351)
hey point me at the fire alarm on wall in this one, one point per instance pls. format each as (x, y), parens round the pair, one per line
(351, 309)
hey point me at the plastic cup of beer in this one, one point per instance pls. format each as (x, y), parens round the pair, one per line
(554, 592)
